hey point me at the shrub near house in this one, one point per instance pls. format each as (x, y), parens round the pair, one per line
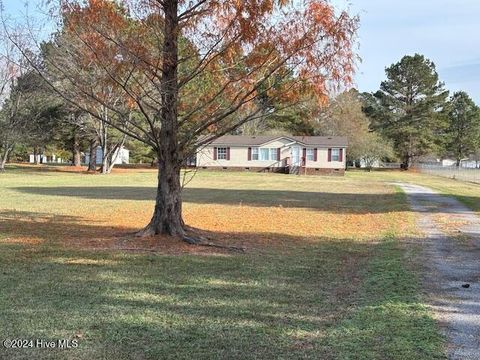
(286, 154)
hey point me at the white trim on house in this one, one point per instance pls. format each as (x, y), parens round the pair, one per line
(292, 141)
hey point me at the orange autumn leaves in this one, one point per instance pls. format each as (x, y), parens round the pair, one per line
(102, 40)
(285, 224)
(307, 48)
(231, 53)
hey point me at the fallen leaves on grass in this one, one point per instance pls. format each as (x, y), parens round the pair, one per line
(258, 214)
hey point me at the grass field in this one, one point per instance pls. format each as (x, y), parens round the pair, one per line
(466, 192)
(325, 274)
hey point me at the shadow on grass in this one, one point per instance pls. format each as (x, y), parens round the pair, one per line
(50, 228)
(336, 202)
(40, 169)
(172, 306)
(326, 299)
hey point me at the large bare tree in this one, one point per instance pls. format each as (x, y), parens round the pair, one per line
(192, 71)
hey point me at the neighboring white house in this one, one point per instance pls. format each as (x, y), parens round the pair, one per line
(448, 162)
(121, 156)
(464, 163)
(287, 154)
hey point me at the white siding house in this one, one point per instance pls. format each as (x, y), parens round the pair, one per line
(287, 154)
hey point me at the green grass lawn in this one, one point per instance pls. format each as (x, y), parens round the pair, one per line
(466, 192)
(325, 275)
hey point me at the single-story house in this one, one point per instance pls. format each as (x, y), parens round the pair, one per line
(286, 154)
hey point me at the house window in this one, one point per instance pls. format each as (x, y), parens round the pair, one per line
(255, 153)
(264, 154)
(335, 154)
(273, 154)
(310, 155)
(222, 153)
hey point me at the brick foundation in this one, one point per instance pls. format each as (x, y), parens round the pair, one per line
(282, 170)
(322, 171)
(246, 169)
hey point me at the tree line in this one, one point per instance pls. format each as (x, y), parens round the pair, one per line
(411, 116)
(413, 110)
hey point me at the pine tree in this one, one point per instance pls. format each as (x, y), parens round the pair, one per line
(463, 134)
(408, 107)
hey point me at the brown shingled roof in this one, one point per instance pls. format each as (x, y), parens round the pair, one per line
(263, 139)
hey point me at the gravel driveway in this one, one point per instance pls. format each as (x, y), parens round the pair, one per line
(451, 236)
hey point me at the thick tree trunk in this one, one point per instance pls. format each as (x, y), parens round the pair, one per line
(92, 161)
(458, 163)
(77, 155)
(167, 217)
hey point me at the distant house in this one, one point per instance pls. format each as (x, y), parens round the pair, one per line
(286, 154)
(121, 156)
(43, 159)
(448, 162)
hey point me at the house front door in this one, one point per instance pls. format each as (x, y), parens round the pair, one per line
(296, 156)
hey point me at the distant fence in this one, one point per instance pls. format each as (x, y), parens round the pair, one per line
(390, 165)
(452, 172)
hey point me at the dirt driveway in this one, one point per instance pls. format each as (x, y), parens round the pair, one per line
(451, 236)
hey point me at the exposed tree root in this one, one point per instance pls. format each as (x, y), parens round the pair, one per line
(136, 249)
(192, 238)
(145, 232)
(204, 242)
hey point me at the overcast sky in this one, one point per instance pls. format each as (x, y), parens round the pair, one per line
(446, 31)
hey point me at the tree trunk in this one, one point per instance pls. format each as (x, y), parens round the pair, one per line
(167, 217)
(111, 165)
(35, 155)
(3, 162)
(458, 163)
(104, 143)
(4, 157)
(105, 164)
(92, 161)
(113, 156)
(77, 155)
(406, 162)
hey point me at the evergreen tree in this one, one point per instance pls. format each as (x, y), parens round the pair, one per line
(408, 107)
(463, 134)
